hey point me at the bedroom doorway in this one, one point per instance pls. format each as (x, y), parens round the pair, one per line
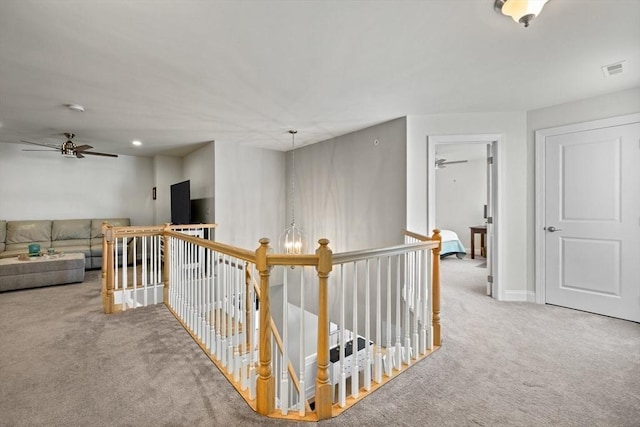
(466, 166)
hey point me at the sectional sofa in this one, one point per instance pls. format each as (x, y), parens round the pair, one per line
(63, 235)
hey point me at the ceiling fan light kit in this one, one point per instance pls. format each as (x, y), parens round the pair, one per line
(521, 11)
(68, 148)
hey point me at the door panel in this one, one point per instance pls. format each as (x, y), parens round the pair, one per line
(590, 181)
(592, 221)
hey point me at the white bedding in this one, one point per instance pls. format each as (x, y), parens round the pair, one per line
(451, 244)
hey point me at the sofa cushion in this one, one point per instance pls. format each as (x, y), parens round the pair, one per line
(20, 234)
(28, 232)
(3, 234)
(71, 229)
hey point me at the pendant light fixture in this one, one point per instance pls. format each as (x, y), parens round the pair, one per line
(521, 11)
(292, 238)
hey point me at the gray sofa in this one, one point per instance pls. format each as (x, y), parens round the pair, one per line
(64, 235)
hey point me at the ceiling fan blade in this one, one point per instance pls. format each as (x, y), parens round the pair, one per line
(78, 154)
(95, 153)
(83, 147)
(42, 144)
(34, 149)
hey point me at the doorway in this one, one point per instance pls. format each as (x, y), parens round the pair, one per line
(486, 216)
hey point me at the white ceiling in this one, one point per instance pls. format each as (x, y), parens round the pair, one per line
(177, 73)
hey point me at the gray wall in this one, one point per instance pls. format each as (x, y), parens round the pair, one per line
(249, 194)
(43, 185)
(351, 190)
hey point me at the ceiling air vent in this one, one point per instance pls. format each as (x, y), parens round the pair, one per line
(613, 69)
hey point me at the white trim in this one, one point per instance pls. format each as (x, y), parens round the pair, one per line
(540, 142)
(496, 140)
(519, 296)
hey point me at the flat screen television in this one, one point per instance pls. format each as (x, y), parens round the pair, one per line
(181, 202)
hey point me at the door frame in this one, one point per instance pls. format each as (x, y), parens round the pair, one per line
(496, 243)
(540, 171)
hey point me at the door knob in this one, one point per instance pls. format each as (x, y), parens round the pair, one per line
(552, 229)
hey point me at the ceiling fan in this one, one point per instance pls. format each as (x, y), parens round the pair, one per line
(68, 148)
(441, 163)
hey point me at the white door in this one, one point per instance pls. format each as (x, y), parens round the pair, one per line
(592, 220)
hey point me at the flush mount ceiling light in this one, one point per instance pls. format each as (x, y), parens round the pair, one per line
(75, 107)
(521, 11)
(136, 143)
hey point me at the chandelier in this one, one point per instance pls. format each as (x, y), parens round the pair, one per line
(292, 238)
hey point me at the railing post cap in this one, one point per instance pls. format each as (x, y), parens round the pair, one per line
(323, 242)
(264, 241)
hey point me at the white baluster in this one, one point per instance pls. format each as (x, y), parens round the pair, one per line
(145, 279)
(219, 305)
(253, 315)
(407, 308)
(237, 319)
(246, 331)
(303, 395)
(284, 389)
(367, 328)
(225, 309)
(355, 386)
(342, 398)
(378, 358)
(390, 350)
(125, 278)
(398, 351)
(230, 313)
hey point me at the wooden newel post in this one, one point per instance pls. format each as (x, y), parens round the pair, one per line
(103, 271)
(436, 287)
(265, 387)
(107, 265)
(165, 263)
(324, 395)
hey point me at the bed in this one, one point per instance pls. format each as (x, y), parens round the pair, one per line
(451, 245)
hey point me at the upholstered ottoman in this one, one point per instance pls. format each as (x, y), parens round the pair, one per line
(41, 271)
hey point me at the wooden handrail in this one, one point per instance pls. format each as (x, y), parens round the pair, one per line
(239, 253)
(417, 236)
(191, 226)
(345, 257)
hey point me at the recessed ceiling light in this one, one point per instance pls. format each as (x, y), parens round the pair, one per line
(75, 107)
(136, 143)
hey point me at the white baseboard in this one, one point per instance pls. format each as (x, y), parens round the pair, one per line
(521, 296)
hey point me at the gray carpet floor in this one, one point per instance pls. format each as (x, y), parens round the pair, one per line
(64, 363)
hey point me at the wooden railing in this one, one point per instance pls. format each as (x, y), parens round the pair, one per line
(292, 332)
